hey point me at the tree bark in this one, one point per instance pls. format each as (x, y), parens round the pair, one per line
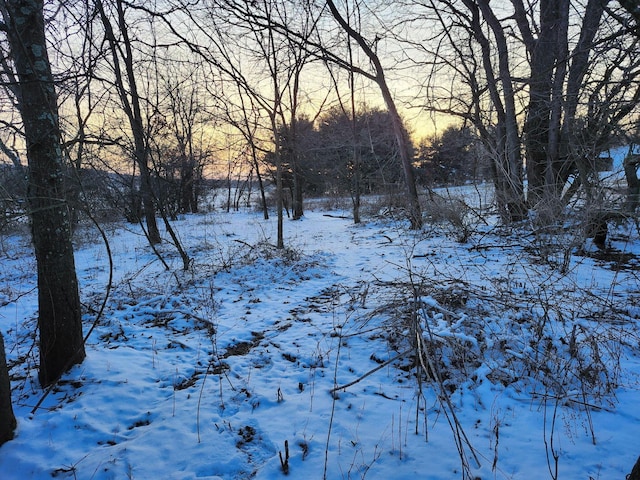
(297, 201)
(7, 418)
(537, 127)
(279, 194)
(635, 473)
(633, 183)
(59, 314)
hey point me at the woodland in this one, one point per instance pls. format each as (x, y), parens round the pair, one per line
(486, 152)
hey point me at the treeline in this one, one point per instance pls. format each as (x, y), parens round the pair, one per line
(326, 152)
(323, 153)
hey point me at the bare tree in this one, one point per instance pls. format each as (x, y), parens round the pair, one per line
(549, 81)
(126, 83)
(228, 34)
(379, 77)
(59, 312)
(313, 47)
(184, 108)
(252, 33)
(286, 59)
(348, 109)
(482, 89)
(245, 118)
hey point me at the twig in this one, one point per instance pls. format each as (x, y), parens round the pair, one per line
(423, 352)
(242, 242)
(371, 372)
(333, 411)
(284, 463)
(548, 444)
(585, 404)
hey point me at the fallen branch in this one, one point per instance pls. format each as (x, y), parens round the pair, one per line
(242, 242)
(371, 372)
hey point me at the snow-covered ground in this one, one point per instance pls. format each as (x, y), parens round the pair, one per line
(529, 369)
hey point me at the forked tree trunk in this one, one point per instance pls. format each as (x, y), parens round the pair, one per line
(7, 418)
(507, 164)
(546, 60)
(510, 159)
(59, 314)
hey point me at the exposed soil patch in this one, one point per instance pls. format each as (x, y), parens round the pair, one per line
(617, 260)
(244, 347)
(187, 382)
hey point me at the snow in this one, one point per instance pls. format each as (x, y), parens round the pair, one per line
(207, 373)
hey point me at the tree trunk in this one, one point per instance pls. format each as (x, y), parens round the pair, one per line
(511, 161)
(130, 98)
(580, 65)
(357, 169)
(633, 183)
(507, 165)
(635, 473)
(537, 127)
(415, 211)
(59, 314)
(7, 418)
(137, 127)
(263, 196)
(279, 201)
(355, 195)
(297, 204)
(188, 202)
